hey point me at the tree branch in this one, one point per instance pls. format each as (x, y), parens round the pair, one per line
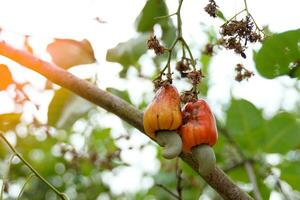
(217, 179)
(246, 162)
(252, 177)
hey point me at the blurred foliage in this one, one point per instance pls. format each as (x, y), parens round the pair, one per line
(67, 53)
(9, 121)
(279, 55)
(79, 170)
(65, 108)
(128, 53)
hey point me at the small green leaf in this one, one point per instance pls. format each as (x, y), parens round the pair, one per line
(244, 122)
(239, 174)
(282, 133)
(123, 94)
(279, 55)
(290, 172)
(264, 190)
(221, 15)
(147, 19)
(243, 117)
(65, 108)
(128, 53)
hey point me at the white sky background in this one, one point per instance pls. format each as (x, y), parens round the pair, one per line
(46, 19)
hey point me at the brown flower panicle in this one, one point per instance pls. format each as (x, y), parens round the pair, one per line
(211, 8)
(154, 44)
(242, 73)
(237, 33)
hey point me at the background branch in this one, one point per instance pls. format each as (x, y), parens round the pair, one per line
(246, 162)
(217, 179)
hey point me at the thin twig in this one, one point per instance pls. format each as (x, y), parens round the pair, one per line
(179, 180)
(23, 188)
(165, 16)
(252, 177)
(5, 175)
(190, 53)
(168, 191)
(247, 164)
(60, 194)
(179, 22)
(236, 165)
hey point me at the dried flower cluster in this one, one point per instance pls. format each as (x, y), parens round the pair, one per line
(183, 66)
(236, 34)
(211, 8)
(242, 73)
(188, 96)
(159, 82)
(154, 44)
(194, 76)
(208, 49)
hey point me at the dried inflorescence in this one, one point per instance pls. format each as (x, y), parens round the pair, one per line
(211, 8)
(208, 49)
(188, 96)
(195, 77)
(154, 44)
(236, 34)
(183, 66)
(159, 82)
(242, 73)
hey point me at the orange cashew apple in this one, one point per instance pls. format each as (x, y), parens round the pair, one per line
(199, 133)
(162, 118)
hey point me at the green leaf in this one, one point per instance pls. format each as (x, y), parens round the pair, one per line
(66, 107)
(128, 53)
(243, 122)
(205, 61)
(264, 190)
(9, 121)
(282, 133)
(147, 18)
(123, 94)
(239, 174)
(279, 55)
(290, 172)
(221, 15)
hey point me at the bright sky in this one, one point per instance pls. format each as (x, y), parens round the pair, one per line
(46, 19)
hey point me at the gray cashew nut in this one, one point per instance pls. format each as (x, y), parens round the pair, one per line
(171, 142)
(205, 157)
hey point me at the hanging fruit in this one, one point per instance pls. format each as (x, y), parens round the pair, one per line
(162, 118)
(199, 133)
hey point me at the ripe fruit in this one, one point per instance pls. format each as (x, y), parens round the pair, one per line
(163, 113)
(199, 126)
(162, 118)
(198, 134)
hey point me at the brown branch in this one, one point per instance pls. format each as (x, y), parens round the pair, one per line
(217, 179)
(179, 179)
